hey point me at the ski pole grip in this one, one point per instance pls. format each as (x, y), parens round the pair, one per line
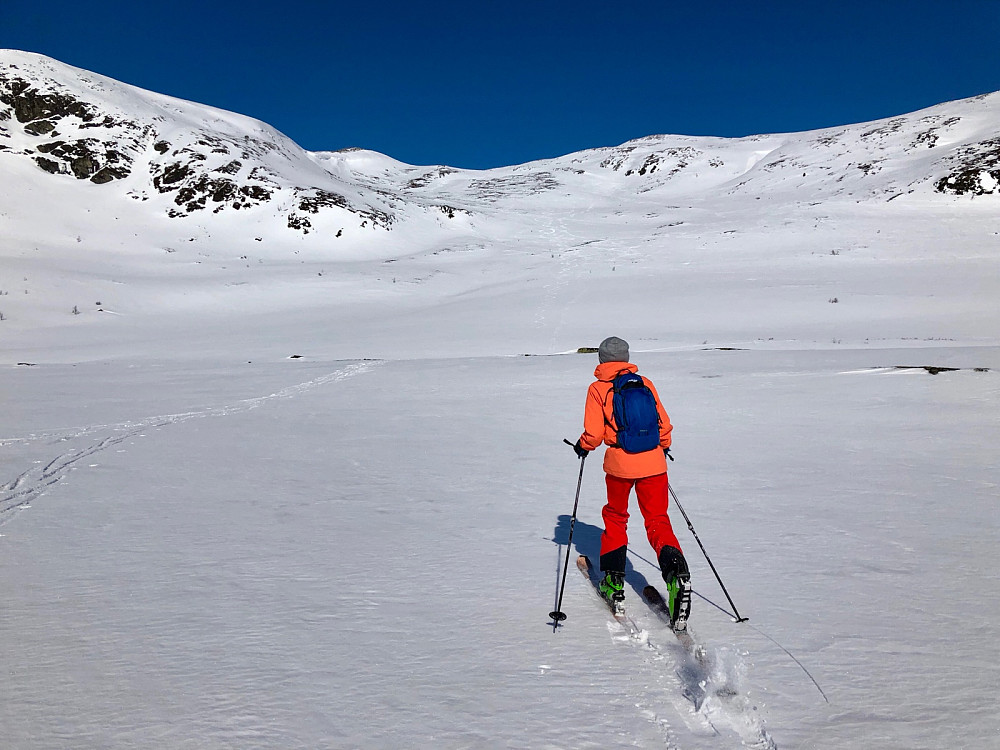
(582, 458)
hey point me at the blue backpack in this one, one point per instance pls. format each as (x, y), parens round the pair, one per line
(635, 413)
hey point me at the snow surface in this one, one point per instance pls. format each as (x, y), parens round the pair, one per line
(310, 492)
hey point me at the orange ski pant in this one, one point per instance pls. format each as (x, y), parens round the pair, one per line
(653, 495)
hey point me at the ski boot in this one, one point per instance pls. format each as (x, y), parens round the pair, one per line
(612, 588)
(679, 600)
(678, 579)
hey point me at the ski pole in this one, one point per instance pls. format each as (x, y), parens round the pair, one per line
(691, 529)
(558, 615)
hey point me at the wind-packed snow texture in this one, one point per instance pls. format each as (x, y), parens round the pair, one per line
(281, 459)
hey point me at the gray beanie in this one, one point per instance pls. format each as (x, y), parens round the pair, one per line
(613, 349)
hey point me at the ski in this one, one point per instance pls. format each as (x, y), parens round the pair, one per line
(628, 624)
(659, 606)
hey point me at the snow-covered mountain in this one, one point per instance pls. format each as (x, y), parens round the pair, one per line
(189, 160)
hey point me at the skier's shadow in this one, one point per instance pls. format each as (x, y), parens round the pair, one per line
(587, 541)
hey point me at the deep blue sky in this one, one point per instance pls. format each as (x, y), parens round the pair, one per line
(481, 84)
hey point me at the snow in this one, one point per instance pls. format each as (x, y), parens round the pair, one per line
(310, 492)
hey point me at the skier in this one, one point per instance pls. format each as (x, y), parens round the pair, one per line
(645, 470)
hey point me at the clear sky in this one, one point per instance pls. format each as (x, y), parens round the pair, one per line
(480, 84)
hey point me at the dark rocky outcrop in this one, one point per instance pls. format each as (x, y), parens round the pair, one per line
(30, 104)
(42, 108)
(977, 171)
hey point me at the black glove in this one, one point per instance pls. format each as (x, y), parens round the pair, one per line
(580, 450)
(666, 454)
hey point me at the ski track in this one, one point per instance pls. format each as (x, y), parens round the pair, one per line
(710, 696)
(568, 260)
(17, 494)
(691, 690)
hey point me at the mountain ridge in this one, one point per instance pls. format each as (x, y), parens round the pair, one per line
(190, 157)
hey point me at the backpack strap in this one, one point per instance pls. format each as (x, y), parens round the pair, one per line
(611, 391)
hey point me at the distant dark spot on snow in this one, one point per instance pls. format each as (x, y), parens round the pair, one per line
(935, 370)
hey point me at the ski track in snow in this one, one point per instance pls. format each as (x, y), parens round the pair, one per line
(710, 698)
(709, 694)
(18, 494)
(568, 259)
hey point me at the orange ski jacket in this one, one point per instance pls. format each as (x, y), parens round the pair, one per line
(599, 427)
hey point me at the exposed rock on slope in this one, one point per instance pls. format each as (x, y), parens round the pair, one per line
(185, 157)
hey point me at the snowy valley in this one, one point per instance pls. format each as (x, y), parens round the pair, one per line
(282, 459)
